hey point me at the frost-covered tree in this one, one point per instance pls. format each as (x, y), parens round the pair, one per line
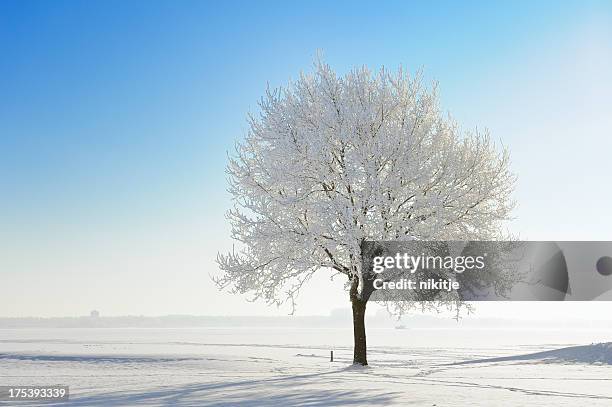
(334, 161)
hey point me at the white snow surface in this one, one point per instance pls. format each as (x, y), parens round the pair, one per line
(284, 367)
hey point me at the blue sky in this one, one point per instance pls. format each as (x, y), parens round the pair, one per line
(116, 117)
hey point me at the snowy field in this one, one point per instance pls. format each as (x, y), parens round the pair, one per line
(420, 367)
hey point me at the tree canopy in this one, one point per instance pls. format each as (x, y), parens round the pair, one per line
(332, 161)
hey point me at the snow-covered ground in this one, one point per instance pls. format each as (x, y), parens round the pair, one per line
(256, 366)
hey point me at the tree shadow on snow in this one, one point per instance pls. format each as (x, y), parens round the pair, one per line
(278, 391)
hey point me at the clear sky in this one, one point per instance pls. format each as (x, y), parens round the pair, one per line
(116, 118)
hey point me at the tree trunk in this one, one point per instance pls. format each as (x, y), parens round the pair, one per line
(359, 301)
(359, 335)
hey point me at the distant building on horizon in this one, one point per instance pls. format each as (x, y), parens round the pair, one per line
(94, 314)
